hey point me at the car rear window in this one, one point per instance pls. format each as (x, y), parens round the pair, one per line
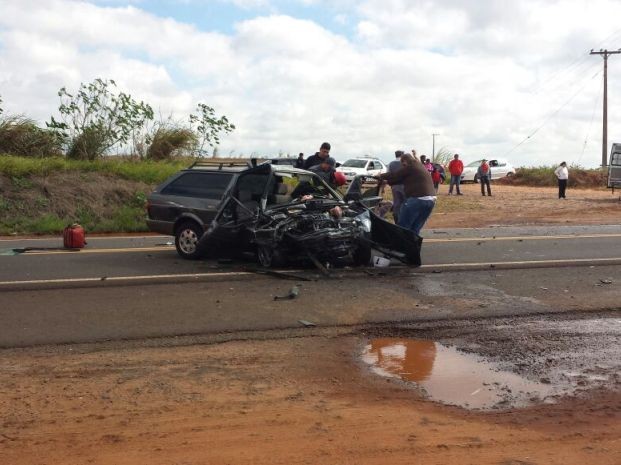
(201, 185)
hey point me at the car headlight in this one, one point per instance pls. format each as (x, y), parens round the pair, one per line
(364, 219)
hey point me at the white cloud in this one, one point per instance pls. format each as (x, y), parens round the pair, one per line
(476, 72)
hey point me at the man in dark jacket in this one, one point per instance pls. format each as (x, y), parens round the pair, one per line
(299, 162)
(420, 195)
(398, 195)
(325, 170)
(324, 152)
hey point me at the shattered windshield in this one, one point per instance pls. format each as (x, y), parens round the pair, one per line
(289, 187)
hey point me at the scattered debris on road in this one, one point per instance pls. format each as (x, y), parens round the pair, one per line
(292, 294)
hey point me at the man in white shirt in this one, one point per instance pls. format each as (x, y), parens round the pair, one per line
(562, 174)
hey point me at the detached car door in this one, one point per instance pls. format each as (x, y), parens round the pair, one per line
(364, 189)
(238, 211)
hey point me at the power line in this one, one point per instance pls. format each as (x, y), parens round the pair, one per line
(552, 115)
(586, 138)
(577, 62)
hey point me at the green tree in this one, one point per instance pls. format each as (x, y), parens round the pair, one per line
(97, 118)
(1, 110)
(208, 126)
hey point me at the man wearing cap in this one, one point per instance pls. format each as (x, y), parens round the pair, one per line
(398, 194)
(324, 152)
(484, 173)
(325, 170)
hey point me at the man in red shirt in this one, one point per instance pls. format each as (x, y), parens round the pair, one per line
(456, 167)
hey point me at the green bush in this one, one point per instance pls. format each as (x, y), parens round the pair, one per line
(170, 141)
(21, 136)
(88, 145)
(542, 176)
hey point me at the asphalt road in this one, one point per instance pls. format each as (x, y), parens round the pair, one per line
(226, 300)
(107, 257)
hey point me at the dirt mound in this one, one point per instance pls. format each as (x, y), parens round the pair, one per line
(45, 204)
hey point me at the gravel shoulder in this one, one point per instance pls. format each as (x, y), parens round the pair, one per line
(291, 401)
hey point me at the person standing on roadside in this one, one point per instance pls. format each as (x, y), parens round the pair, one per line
(398, 194)
(436, 177)
(456, 167)
(420, 195)
(313, 160)
(299, 163)
(484, 173)
(562, 174)
(428, 164)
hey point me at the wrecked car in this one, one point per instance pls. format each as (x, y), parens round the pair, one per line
(284, 215)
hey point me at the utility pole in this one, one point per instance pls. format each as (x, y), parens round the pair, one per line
(604, 54)
(433, 147)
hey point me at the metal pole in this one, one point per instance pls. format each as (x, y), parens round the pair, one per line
(605, 117)
(604, 54)
(433, 147)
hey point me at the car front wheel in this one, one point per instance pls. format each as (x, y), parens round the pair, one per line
(187, 236)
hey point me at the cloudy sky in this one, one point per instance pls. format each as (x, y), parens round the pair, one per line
(369, 76)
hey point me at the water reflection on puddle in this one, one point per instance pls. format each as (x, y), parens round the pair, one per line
(450, 376)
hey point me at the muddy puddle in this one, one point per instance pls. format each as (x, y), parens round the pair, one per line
(452, 377)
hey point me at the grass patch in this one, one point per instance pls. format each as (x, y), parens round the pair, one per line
(125, 219)
(150, 172)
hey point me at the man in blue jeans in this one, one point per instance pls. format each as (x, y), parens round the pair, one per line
(420, 195)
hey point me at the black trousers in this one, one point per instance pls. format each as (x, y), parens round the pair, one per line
(562, 187)
(485, 182)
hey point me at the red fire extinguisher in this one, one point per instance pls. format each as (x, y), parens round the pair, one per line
(74, 237)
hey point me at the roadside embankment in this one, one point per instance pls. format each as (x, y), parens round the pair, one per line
(41, 196)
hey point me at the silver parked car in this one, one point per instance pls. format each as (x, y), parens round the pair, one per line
(499, 168)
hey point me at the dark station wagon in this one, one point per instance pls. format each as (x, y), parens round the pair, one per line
(277, 213)
(189, 200)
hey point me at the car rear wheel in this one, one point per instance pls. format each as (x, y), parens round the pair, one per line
(187, 236)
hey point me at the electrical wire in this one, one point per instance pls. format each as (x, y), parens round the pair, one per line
(576, 63)
(586, 138)
(552, 115)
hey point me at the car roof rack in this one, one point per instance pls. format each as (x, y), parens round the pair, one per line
(220, 164)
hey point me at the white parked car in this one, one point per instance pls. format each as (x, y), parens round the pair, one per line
(498, 166)
(356, 166)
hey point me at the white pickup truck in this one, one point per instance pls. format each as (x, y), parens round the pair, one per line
(614, 167)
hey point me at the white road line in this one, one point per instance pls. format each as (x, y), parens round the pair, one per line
(126, 278)
(161, 248)
(563, 261)
(520, 238)
(162, 277)
(89, 238)
(166, 248)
